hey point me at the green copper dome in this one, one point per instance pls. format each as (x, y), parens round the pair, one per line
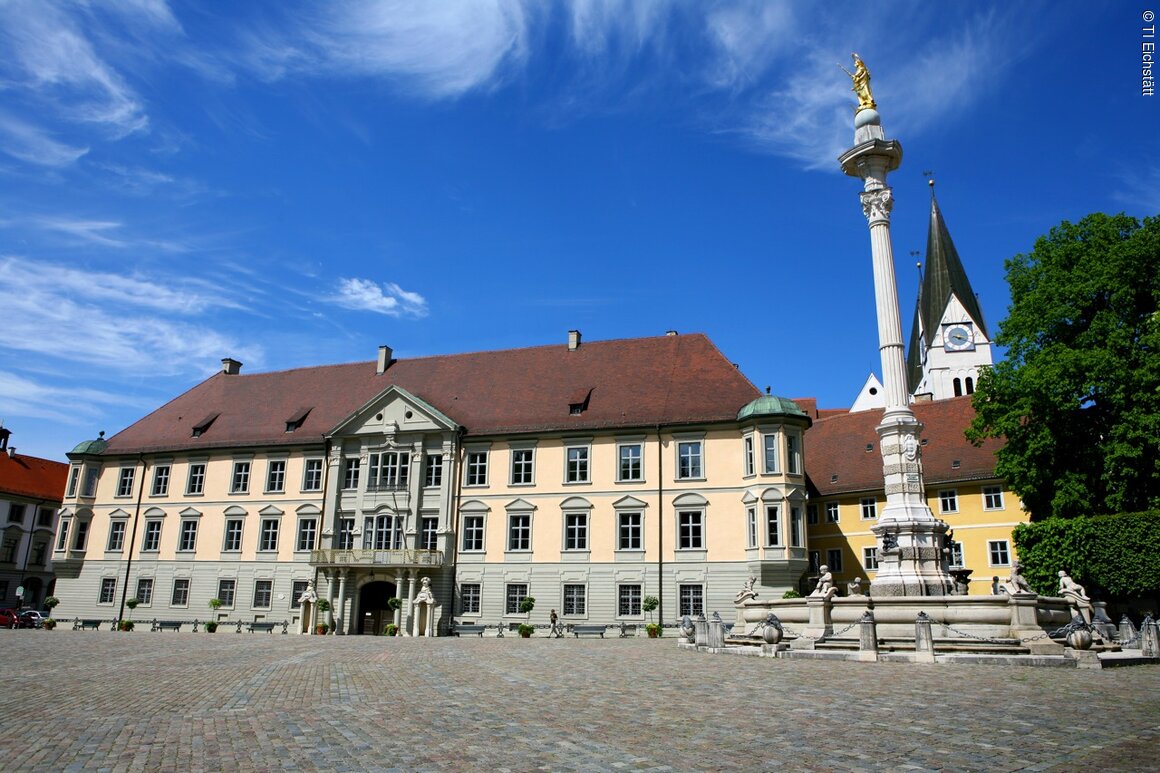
(92, 446)
(770, 405)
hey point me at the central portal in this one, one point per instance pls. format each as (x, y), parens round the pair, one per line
(374, 614)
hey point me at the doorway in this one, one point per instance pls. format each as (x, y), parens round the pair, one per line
(374, 614)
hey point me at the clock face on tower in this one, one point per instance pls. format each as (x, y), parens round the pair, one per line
(958, 338)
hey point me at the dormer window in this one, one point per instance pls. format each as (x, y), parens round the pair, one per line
(202, 426)
(295, 421)
(579, 401)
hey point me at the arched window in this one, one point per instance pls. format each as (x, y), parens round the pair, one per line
(958, 388)
(970, 385)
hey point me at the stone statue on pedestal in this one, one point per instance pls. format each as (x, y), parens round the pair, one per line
(1076, 597)
(825, 587)
(861, 79)
(746, 591)
(1015, 582)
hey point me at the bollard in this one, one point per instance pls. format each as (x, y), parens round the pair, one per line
(1129, 636)
(868, 638)
(716, 633)
(923, 639)
(1149, 638)
(195, 622)
(701, 631)
(239, 626)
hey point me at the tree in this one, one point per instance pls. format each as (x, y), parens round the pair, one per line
(1078, 397)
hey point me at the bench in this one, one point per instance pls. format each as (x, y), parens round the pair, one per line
(470, 628)
(167, 625)
(260, 626)
(89, 625)
(587, 630)
(627, 629)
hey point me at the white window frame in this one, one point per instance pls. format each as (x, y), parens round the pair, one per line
(351, 473)
(577, 606)
(428, 532)
(637, 463)
(770, 453)
(751, 527)
(793, 454)
(263, 588)
(577, 463)
(869, 505)
(161, 476)
(475, 468)
(107, 593)
(773, 526)
(948, 500)
(470, 598)
(690, 465)
(275, 476)
(748, 464)
(523, 530)
(144, 591)
(576, 530)
(179, 595)
(870, 559)
(624, 528)
(125, 482)
(993, 498)
(998, 549)
(227, 532)
(796, 527)
(268, 529)
(432, 470)
(628, 601)
(187, 537)
(227, 599)
(690, 599)
(514, 594)
(474, 526)
(195, 480)
(240, 477)
(833, 512)
(691, 528)
(312, 474)
(523, 467)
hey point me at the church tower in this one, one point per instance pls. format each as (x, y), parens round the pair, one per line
(949, 343)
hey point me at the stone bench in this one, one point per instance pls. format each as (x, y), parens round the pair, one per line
(584, 629)
(262, 626)
(167, 625)
(467, 629)
(88, 625)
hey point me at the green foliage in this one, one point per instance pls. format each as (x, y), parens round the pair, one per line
(132, 603)
(1111, 555)
(526, 630)
(654, 629)
(391, 630)
(51, 602)
(215, 603)
(394, 603)
(49, 624)
(1078, 397)
(211, 627)
(649, 603)
(321, 629)
(791, 594)
(126, 625)
(323, 605)
(527, 605)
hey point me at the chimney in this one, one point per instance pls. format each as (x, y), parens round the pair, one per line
(231, 367)
(11, 451)
(385, 353)
(573, 340)
(670, 332)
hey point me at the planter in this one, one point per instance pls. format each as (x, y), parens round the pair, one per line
(321, 629)
(211, 627)
(126, 625)
(525, 634)
(49, 624)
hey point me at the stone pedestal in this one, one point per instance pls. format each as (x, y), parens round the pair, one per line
(923, 639)
(700, 631)
(1025, 624)
(716, 634)
(820, 623)
(867, 638)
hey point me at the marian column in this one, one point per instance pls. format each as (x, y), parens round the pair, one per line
(910, 538)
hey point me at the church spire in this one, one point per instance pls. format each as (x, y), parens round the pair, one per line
(944, 277)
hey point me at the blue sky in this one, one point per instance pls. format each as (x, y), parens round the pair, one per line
(295, 183)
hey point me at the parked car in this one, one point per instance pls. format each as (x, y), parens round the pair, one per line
(8, 618)
(31, 618)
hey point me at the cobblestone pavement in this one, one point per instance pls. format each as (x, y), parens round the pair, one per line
(197, 702)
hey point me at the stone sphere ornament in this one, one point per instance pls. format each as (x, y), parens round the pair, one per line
(1080, 639)
(771, 634)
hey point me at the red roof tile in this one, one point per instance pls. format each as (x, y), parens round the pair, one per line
(32, 477)
(639, 382)
(836, 445)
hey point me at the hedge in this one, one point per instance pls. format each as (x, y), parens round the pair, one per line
(1111, 555)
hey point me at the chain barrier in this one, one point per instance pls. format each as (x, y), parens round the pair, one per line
(1058, 633)
(823, 637)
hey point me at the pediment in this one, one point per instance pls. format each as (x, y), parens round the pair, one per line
(308, 510)
(393, 411)
(629, 503)
(270, 511)
(575, 503)
(690, 500)
(476, 506)
(234, 510)
(520, 505)
(190, 512)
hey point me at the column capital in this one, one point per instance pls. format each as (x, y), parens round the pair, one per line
(877, 204)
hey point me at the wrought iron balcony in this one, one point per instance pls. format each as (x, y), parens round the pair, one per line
(355, 557)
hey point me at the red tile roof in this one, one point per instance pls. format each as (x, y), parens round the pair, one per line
(641, 382)
(836, 445)
(32, 477)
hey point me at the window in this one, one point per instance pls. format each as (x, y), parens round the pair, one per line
(433, 475)
(869, 509)
(125, 482)
(188, 539)
(145, 591)
(45, 517)
(690, 530)
(628, 599)
(815, 561)
(428, 533)
(870, 559)
(751, 526)
(577, 468)
(1000, 555)
(108, 590)
(151, 542)
(956, 556)
(312, 475)
(160, 480)
(297, 588)
(948, 501)
(73, 478)
(831, 512)
(307, 533)
(795, 526)
(749, 455)
(263, 592)
(476, 468)
(772, 525)
(225, 592)
(39, 553)
(345, 533)
(116, 536)
(62, 538)
(469, 598)
(240, 482)
(992, 498)
(276, 476)
(473, 532)
(91, 475)
(522, 467)
(82, 536)
(770, 460)
(691, 600)
(388, 471)
(516, 593)
(689, 460)
(268, 535)
(575, 531)
(180, 596)
(233, 540)
(575, 598)
(793, 455)
(383, 532)
(519, 531)
(8, 554)
(812, 515)
(630, 464)
(350, 469)
(15, 513)
(834, 560)
(196, 482)
(629, 531)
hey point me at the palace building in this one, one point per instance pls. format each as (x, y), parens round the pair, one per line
(30, 492)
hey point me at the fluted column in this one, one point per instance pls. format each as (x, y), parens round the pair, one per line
(340, 628)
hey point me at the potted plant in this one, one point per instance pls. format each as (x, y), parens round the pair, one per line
(649, 604)
(526, 630)
(212, 626)
(49, 624)
(526, 607)
(127, 625)
(391, 630)
(321, 629)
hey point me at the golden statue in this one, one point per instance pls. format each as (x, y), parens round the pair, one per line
(861, 78)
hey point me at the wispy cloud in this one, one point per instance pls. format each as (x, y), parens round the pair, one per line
(34, 145)
(69, 404)
(387, 298)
